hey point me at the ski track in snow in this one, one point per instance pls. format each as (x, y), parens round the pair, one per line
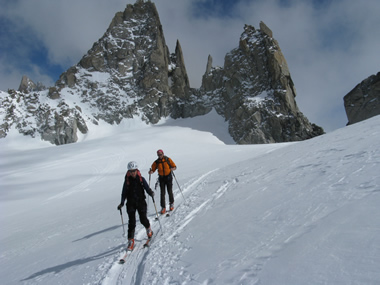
(312, 209)
(164, 257)
(133, 271)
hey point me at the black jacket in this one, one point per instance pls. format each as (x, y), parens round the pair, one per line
(133, 190)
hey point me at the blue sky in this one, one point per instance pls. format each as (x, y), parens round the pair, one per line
(330, 46)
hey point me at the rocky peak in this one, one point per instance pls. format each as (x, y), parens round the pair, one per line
(179, 81)
(209, 64)
(27, 85)
(255, 93)
(264, 28)
(363, 101)
(129, 72)
(137, 73)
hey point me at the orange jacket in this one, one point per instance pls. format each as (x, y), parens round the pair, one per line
(163, 166)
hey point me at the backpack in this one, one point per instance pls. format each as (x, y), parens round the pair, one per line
(166, 160)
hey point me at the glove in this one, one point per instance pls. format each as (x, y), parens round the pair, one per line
(120, 206)
(151, 193)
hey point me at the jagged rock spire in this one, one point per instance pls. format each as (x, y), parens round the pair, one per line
(26, 85)
(255, 93)
(130, 73)
(134, 54)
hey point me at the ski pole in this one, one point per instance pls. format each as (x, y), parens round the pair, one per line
(158, 218)
(156, 185)
(122, 222)
(149, 187)
(179, 186)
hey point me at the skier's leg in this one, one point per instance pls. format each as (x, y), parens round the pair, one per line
(131, 210)
(162, 188)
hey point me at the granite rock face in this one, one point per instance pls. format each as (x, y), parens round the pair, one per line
(130, 73)
(363, 102)
(127, 73)
(31, 114)
(254, 92)
(27, 85)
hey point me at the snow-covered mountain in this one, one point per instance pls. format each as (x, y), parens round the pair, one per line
(130, 73)
(292, 213)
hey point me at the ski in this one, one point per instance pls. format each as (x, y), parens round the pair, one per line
(128, 251)
(122, 260)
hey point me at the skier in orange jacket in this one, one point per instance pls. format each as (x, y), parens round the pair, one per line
(165, 166)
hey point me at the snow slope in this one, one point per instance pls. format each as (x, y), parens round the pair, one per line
(295, 213)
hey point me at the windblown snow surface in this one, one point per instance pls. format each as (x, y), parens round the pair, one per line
(292, 213)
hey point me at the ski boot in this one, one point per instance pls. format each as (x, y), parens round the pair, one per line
(149, 232)
(131, 244)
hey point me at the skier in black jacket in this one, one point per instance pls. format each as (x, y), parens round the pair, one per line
(133, 192)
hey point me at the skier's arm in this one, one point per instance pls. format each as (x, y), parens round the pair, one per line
(123, 194)
(172, 164)
(153, 168)
(147, 188)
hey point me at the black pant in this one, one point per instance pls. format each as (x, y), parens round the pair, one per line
(168, 182)
(131, 210)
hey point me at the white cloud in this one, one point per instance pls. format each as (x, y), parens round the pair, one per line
(67, 28)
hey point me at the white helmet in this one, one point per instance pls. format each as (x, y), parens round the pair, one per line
(132, 165)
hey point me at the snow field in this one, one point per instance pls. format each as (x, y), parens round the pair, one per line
(297, 213)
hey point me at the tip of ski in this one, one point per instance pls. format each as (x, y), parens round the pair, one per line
(122, 260)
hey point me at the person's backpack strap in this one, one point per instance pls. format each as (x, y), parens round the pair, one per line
(167, 161)
(158, 160)
(138, 174)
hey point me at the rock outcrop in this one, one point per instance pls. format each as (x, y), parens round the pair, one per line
(127, 72)
(363, 101)
(32, 113)
(255, 93)
(130, 73)
(27, 85)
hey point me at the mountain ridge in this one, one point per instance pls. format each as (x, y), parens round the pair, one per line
(130, 73)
